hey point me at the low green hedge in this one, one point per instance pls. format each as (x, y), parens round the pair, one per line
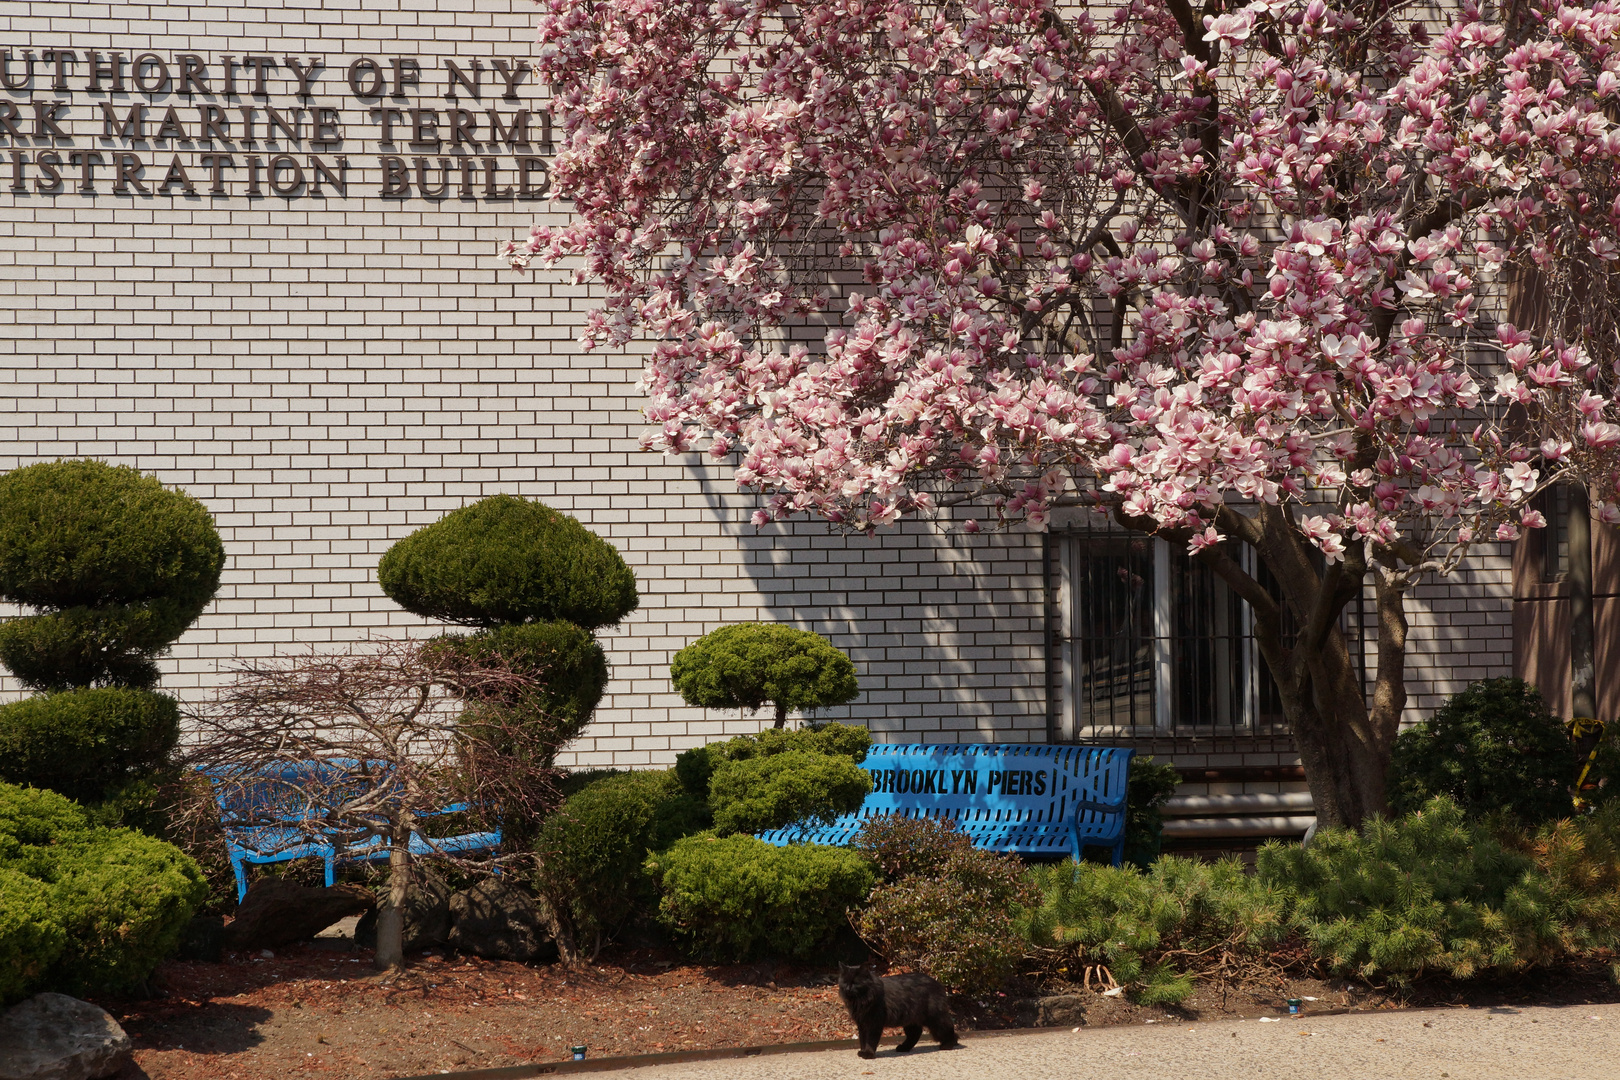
(84, 908)
(733, 898)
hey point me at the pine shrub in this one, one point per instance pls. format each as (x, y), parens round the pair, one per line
(944, 907)
(1494, 746)
(505, 560)
(1127, 919)
(1434, 891)
(84, 908)
(736, 898)
(750, 665)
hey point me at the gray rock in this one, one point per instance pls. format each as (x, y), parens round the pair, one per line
(497, 921)
(1060, 1010)
(427, 915)
(276, 912)
(56, 1037)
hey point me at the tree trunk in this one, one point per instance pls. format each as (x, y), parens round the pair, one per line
(781, 715)
(1343, 745)
(391, 913)
(1582, 652)
(553, 916)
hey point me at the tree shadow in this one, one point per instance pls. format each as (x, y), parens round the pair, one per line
(947, 628)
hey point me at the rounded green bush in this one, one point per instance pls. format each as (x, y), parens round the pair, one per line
(100, 907)
(508, 560)
(574, 667)
(697, 765)
(87, 744)
(736, 897)
(1494, 746)
(751, 664)
(771, 792)
(592, 849)
(120, 565)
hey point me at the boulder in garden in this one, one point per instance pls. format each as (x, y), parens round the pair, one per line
(56, 1037)
(427, 915)
(497, 921)
(276, 912)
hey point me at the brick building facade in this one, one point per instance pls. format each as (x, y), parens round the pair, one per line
(251, 248)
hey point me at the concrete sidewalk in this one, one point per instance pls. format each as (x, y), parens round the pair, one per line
(1577, 1043)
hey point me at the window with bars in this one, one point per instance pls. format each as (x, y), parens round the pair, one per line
(1152, 642)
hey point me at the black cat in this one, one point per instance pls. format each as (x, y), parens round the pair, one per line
(913, 1001)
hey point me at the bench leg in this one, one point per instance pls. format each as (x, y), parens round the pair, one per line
(241, 878)
(331, 868)
(1119, 852)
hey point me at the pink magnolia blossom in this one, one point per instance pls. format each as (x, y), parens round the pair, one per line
(893, 250)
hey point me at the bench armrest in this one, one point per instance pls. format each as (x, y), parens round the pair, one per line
(1111, 807)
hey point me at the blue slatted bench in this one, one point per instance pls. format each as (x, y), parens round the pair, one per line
(271, 820)
(1016, 798)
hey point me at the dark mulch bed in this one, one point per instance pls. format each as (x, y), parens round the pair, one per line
(310, 1011)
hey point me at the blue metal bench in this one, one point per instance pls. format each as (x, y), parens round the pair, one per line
(1016, 798)
(271, 819)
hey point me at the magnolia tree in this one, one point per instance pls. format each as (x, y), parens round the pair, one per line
(1235, 276)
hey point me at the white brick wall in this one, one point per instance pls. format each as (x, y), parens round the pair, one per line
(329, 374)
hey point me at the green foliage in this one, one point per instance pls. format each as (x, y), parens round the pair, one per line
(594, 847)
(89, 745)
(736, 897)
(944, 907)
(1494, 746)
(1433, 891)
(1149, 786)
(84, 908)
(118, 565)
(751, 664)
(696, 766)
(573, 667)
(797, 785)
(508, 560)
(1128, 919)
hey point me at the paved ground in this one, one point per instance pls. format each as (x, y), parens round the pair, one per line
(1577, 1043)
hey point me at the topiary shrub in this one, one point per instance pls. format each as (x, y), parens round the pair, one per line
(508, 560)
(85, 908)
(944, 907)
(593, 849)
(89, 744)
(1494, 746)
(753, 664)
(735, 898)
(117, 565)
(1148, 787)
(695, 767)
(572, 671)
(771, 792)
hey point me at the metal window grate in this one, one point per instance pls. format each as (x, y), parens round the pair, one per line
(1151, 642)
